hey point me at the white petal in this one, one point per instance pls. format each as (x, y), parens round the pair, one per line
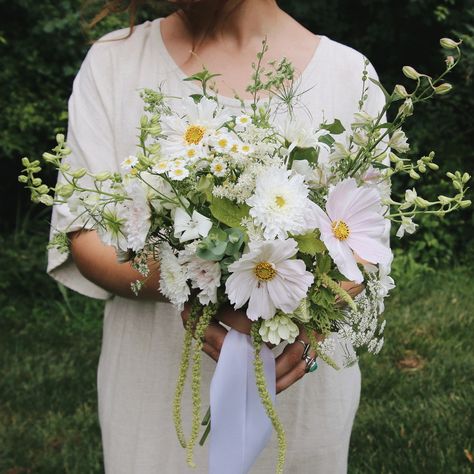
(370, 249)
(239, 287)
(344, 259)
(260, 304)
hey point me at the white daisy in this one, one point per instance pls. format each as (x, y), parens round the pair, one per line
(280, 203)
(178, 174)
(268, 278)
(242, 122)
(222, 142)
(218, 168)
(129, 163)
(161, 167)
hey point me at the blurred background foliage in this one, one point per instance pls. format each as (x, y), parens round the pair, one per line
(50, 337)
(43, 43)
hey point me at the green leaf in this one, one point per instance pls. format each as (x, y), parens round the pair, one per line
(324, 264)
(327, 140)
(336, 127)
(309, 154)
(228, 212)
(309, 243)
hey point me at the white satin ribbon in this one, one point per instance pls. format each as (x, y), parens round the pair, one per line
(240, 427)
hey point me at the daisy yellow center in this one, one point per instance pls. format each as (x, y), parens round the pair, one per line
(340, 230)
(223, 142)
(265, 271)
(218, 167)
(191, 153)
(280, 201)
(178, 171)
(245, 148)
(234, 148)
(244, 120)
(194, 134)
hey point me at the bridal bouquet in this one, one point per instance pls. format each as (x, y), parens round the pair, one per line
(268, 216)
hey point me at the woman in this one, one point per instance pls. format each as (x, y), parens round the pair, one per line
(142, 335)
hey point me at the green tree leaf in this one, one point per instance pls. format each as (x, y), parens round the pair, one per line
(228, 212)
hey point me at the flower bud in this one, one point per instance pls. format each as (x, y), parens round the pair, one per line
(394, 158)
(465, 178)
(49, 157)
(420, 202)
(413, 174)
(449, 60)
(102, 176)
(36, 182)
(450, 175)
(457, 185)
(445, 200)
(25, 162)
(443, 88)
(465, 203)
(433, 166)
(143, 121)
(406, 108)
(448, 43)
(79, 173)
(422, 168)
(60, 138)
(411, 72)
(43, 189)
(23, 179)
(46, 199)
(65, 190)
(401, 91)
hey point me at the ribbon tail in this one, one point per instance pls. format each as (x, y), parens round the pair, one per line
(240, 427)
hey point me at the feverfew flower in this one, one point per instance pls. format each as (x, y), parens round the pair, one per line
(353, 223)
(222, 142)
(188, 227)
(177, 171)
(218, 168)
(280, 203)
(137, 215)
(129, 163)
(278, 328)
(172, 277)
(268, 278)
(242, 122)
(161, 167)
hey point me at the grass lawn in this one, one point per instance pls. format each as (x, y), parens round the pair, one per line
(416, 413)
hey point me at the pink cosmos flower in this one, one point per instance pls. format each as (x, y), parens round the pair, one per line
(353, 222)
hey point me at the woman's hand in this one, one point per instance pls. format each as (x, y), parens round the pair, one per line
(213, 336)
(289, 365)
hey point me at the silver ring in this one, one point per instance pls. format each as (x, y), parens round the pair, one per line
(310, 363)
(306, 346)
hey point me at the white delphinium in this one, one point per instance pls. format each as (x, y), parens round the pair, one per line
(205, 275)
(407, 225)
(268, 278)
(280, 203)
(190, 227)
(398, 141)
(279, 328)
(173, 277)
(137, 216)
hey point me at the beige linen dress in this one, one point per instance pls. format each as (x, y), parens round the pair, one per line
(142, 340)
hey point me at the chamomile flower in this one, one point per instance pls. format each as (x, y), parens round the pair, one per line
(161, 167)
(193, 152)
(245, 149)
(218, 168)
(222, 142)
(242, 122)
(129, 163)
(178, 173)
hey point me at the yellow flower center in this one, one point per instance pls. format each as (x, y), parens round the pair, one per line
(178, 171)
(194, 134)
(218, 167)
(265, 271)
(223, 142)
(280, 201)
(244, 119)
(234, 148)
(191, 153)
(340, 230)
(245, 148)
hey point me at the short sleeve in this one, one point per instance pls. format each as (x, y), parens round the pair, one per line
(91, 139)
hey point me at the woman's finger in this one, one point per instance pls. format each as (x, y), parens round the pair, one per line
(289, 378)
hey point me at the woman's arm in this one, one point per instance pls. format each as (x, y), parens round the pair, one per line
(98, 263)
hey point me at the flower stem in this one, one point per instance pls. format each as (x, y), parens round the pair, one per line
(265, 397)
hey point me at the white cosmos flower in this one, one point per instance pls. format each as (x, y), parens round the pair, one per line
(280, 203)
(193, 126)
(188, 227)
(173, 277)
(353, 223)
(268, 278)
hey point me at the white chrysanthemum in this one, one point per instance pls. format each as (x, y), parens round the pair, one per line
(204, 274)
(218, 168)
(193, 127)
(268, 278)
(280, 203)
(279, 328)
(129, 163)
(137, 215)
(173, 277)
